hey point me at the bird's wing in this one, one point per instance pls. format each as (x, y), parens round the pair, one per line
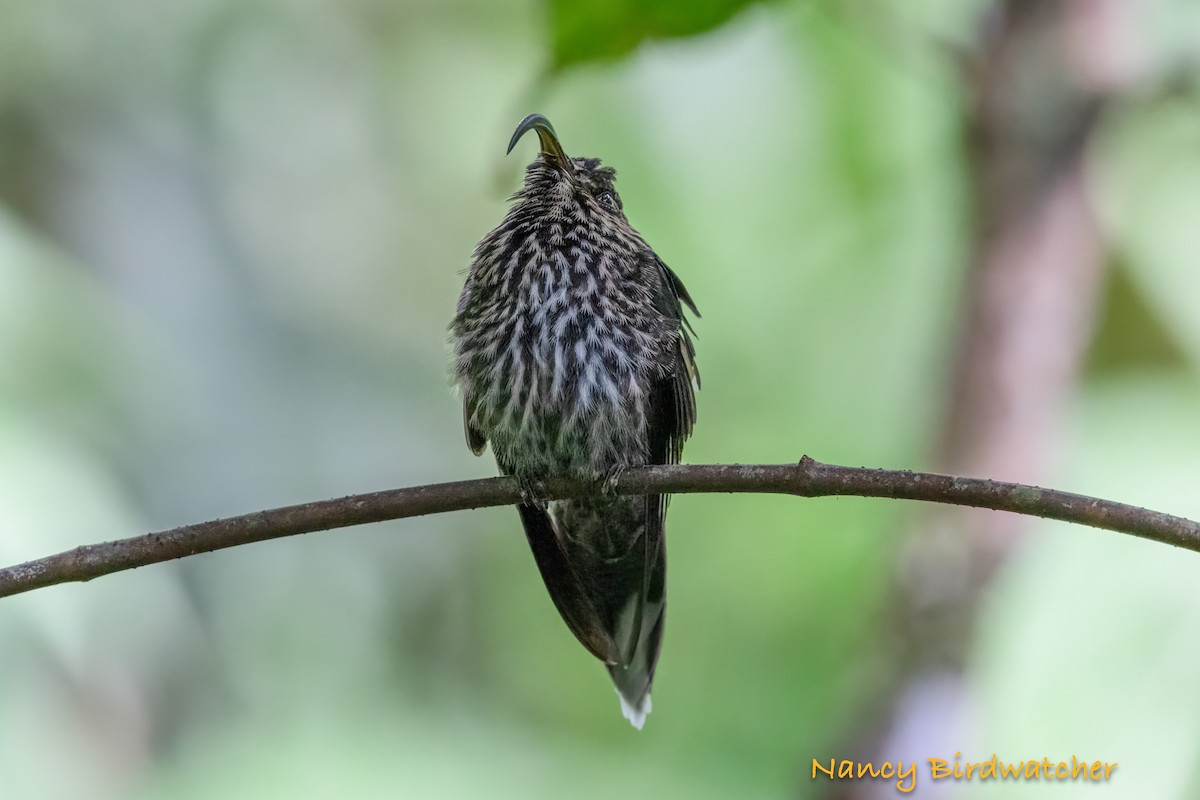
(564, 584)
(672, 415)
(673, 402)
(566, 590)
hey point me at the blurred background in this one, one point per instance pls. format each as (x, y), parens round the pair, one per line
(950, 235)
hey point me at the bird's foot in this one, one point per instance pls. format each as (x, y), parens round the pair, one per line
(610, 480)
(533, 492)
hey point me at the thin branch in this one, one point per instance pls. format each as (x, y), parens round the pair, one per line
(808, 478)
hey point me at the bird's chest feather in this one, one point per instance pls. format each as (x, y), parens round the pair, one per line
(562, 384)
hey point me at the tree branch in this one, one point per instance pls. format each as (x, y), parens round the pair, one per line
(808, 478)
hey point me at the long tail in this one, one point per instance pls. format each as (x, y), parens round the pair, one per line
(604, 564)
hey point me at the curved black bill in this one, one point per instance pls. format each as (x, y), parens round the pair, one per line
(546, 136)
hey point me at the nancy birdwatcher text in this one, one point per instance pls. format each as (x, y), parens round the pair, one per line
(905, 774)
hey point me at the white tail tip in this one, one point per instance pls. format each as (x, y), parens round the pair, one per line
(635, 714)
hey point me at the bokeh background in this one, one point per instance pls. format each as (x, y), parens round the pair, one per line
(947, 235)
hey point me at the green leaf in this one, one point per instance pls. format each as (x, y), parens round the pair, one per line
(594, 30)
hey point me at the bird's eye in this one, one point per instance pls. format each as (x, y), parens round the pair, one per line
(608, 201)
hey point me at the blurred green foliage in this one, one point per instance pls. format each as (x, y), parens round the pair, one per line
(231, 242)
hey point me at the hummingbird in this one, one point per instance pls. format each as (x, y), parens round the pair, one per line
(573, 358)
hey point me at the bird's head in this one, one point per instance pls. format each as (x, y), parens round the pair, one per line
(574, 186)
